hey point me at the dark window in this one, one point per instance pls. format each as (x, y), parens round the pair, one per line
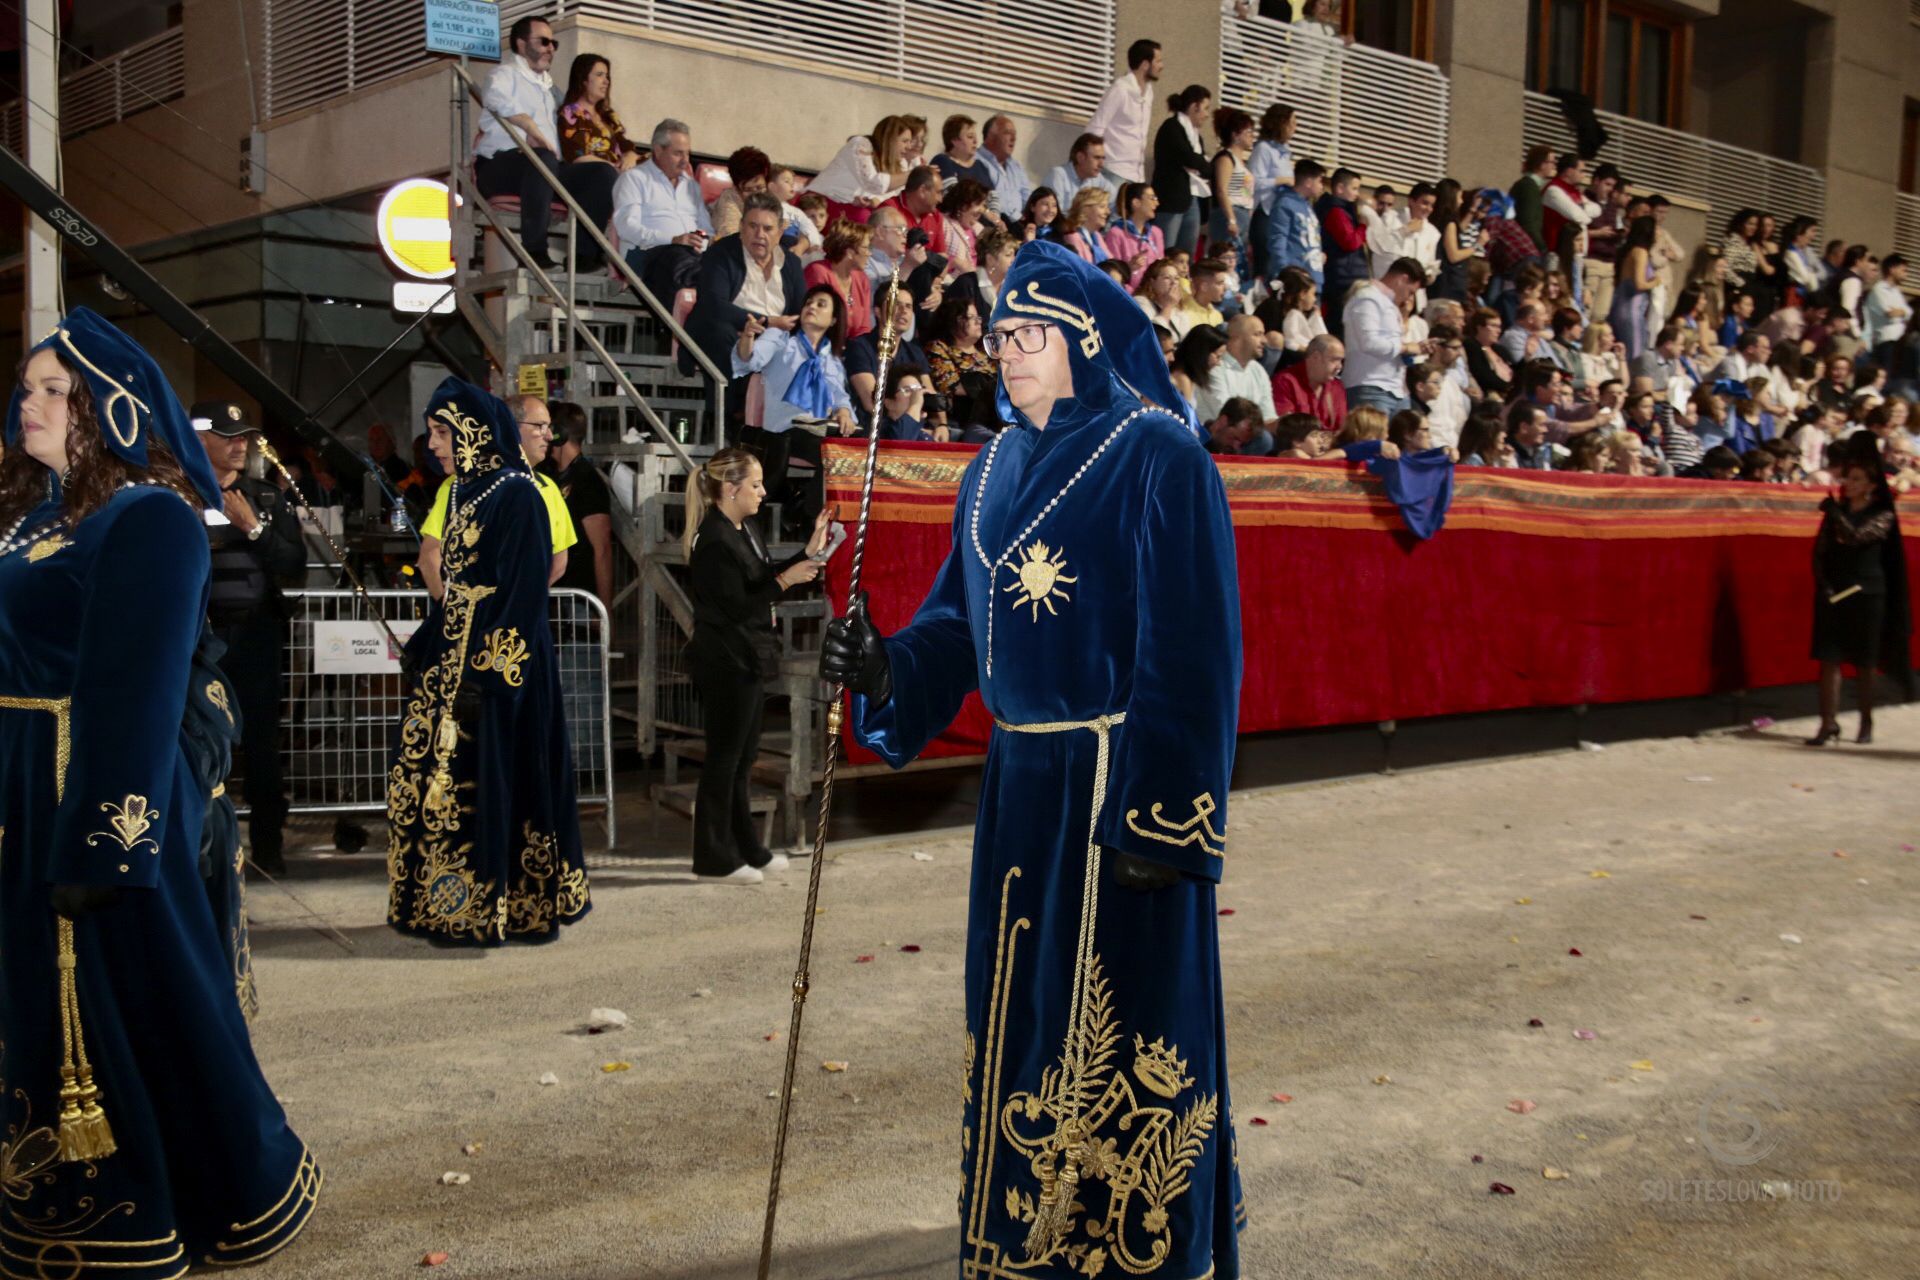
(1910, 149)
(1630, 61)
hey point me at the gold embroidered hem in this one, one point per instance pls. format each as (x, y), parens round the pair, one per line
(246, 1243)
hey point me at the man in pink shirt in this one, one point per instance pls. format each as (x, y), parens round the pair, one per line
(1312, 385)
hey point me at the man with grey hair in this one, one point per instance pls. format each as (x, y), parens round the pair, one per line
(890, 246)
(1010, 186)
(658, 213)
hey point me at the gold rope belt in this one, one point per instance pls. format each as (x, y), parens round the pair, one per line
(1099, 724)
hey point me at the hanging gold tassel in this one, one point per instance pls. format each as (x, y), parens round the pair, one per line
(84, 1131)
(1052, 1216)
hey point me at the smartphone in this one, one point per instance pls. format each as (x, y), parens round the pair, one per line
(836, 534)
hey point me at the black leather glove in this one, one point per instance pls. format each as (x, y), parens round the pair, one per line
(466, 707)
(854, 654)
(1141, 875)
(76, 900)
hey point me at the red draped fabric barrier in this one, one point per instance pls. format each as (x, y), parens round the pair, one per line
(1542, 589)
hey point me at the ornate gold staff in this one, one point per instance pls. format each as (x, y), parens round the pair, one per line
(273, 459)
(889, 342)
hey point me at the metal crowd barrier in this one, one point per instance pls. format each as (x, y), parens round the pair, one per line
(337, 722)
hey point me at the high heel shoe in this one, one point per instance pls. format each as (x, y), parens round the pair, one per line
(1865, 736)
(1828, 733)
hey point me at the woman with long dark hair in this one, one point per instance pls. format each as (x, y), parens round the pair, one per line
(1041, 211)
(734, 651)
(1272, 166)
(593, 148)
(138, 1128)
(805, 380)
(1195, 359)
(1860, 610)
(1182, 177)
(1633, 289)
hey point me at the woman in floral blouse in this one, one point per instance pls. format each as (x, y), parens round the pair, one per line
(593, 146)
(955, 349)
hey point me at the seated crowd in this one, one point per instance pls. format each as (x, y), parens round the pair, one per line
(1558, 325)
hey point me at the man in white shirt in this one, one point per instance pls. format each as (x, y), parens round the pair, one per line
(1748, 359)
(1377, 348)
(1412, 237)
(1887, 312)
(1010, 185)
(1239, 373)
(1126, 112)
(657, 210)
(1082, 169)
(521, 91)
(1531, 337)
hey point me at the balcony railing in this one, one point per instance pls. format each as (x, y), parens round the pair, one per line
(1719, 177)
(1375, 112)
(1043, 55)
(1906, 226)
(108, 91)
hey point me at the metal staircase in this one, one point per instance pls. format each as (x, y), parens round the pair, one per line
(613, 346)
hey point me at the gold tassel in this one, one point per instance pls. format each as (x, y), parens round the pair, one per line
(84, 1131)
(1051, 1215)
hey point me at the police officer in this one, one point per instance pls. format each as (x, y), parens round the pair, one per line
(257, 546)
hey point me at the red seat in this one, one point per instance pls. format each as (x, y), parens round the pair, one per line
(714, 179)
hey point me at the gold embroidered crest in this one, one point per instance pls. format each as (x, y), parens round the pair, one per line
(1039, 572)
(130, 820)
(1195, 830)
(503, 651)
(217, 695)
(47, 546)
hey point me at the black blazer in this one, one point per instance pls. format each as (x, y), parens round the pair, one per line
(733, 585)
(715, 323)
(1174, 158)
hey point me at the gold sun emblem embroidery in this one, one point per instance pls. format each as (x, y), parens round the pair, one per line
(1040, 571)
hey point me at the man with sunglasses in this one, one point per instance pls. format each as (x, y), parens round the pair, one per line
(1091, 600)
(536, 437)
(520, 90)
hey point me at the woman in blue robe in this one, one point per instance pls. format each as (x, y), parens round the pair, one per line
(484, 829)
(139, 1137)
(1091, 598)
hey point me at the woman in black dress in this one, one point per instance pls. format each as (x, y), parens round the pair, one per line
(1860, 591)
(734, 651)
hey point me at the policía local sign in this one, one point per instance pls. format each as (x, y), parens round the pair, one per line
(417, 237)
(468, 27)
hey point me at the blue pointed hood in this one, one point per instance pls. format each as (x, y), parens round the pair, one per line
(1116, 357)
(132, 400)
(486, 439)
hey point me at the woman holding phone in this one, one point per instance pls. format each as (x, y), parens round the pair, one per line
(734, 652)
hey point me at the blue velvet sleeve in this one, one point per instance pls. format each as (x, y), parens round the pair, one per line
(1173, 755)
(932, 660)
(140, 619)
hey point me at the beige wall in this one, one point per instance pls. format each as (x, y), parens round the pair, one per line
(1482, 46)
(1855, 83)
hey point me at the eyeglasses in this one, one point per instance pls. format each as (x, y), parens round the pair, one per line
(544, 42)
(908, 389)
(537, 426)
(1030, 338)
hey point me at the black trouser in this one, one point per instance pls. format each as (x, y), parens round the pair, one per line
(254, 662)
(591, 183)
(723, 834)
(510, 173)
(665, 269)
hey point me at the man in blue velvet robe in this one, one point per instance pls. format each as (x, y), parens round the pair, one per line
(1091, 597)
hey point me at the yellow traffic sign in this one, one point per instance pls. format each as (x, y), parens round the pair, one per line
(414, 228)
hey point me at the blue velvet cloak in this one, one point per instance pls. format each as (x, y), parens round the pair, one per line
(1104, 636)
(97, 787)
(208, 734)
(484, 829)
